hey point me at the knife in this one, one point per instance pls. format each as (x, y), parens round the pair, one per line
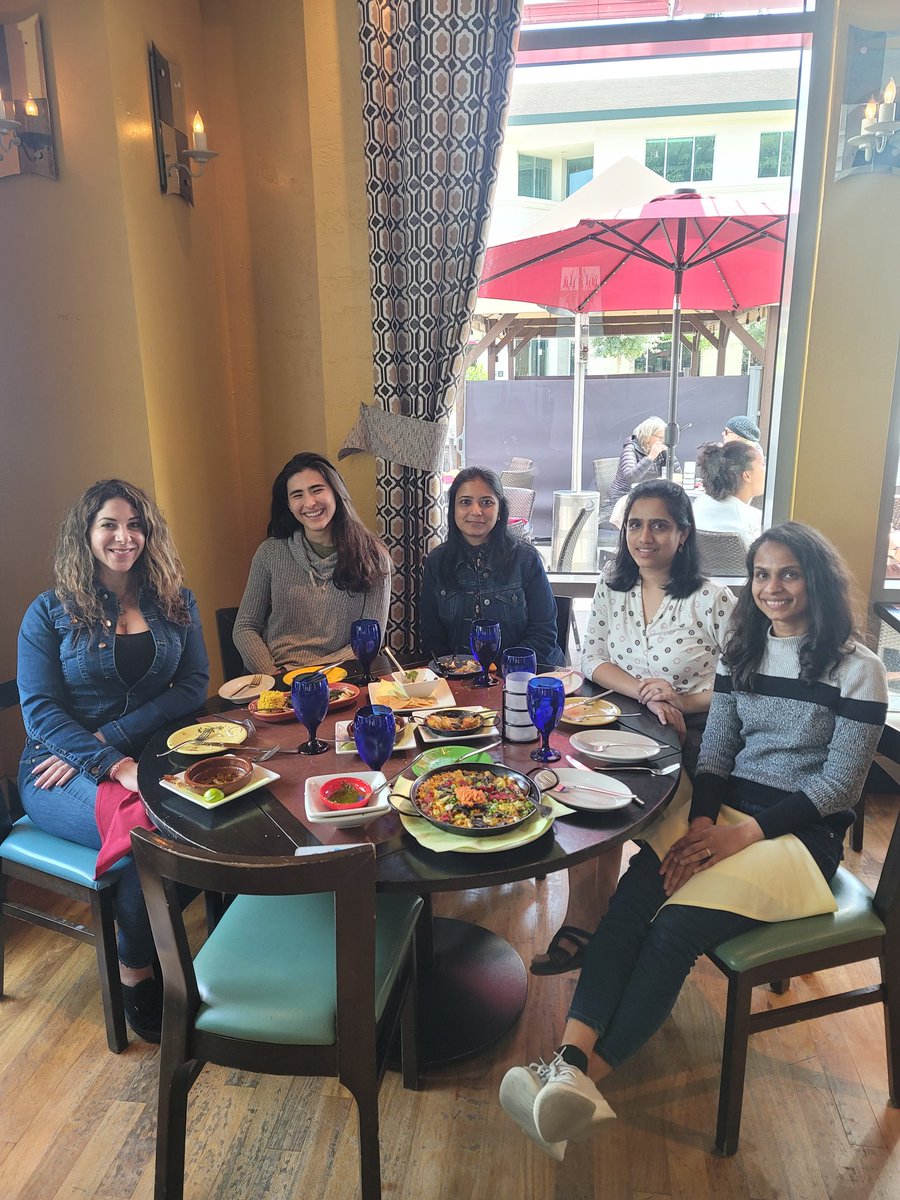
(576, 762)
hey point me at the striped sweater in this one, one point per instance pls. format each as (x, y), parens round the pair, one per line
(814, 742)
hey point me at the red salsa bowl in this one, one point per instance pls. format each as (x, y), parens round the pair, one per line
(345, 792)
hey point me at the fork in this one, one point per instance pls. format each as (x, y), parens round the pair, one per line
(562, 788)
(254, 683)
(200, 740)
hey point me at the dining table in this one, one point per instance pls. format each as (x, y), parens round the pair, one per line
(472, 983)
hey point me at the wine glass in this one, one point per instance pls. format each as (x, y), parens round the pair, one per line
(373, 731)
(546, 698)
(310, 695)
(485, 643)
(365, 642)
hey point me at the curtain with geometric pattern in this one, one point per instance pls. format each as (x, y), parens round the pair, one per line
(436, 78)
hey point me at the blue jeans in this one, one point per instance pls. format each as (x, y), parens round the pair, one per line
(68, 812)
(639, 957)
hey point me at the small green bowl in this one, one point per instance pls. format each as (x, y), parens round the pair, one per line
(445, 756)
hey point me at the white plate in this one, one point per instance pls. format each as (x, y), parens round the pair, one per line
(423, 675)
(223, 733)
(592, 801)
(344, 743)
(433, 695)
(316, 811)
(490, 730)
(260, 777)
(227, 690)
(571, 679)
(615, 745)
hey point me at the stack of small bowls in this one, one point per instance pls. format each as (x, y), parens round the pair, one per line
(519, 665)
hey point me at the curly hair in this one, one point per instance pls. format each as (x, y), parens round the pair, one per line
(158, 570)
(501, 544)
(829, 636)
(721, 466)
(686, 576)
(362, 558)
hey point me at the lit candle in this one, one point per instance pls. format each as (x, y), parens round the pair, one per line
(31, 108)
(869, 119)
(199, 133)
(888, 110)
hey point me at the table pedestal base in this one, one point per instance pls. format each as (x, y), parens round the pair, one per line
(470, 994)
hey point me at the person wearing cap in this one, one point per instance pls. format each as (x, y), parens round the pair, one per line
(740, 428)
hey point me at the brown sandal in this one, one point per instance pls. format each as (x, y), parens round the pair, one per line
(559, 959)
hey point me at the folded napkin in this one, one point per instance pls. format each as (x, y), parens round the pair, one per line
(441, 840)
(117, 811)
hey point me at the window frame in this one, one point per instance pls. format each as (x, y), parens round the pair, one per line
(693, 139)
(534, 159)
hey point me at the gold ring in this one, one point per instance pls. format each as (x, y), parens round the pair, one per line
(708, 852)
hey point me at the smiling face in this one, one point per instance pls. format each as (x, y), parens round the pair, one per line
(312, 503)
(652, 536)
(779, 589)
(117, 539)
(475, 511)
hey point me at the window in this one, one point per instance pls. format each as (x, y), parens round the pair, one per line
(681, 160)
(579, 171)
(776, 154)
(535, 177)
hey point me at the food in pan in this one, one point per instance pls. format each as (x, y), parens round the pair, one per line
(454, 722)
(458, 665)
(473, 799)
(227, 774)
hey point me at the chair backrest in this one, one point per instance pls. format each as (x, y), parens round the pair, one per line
(567, 550)
(721, 553)
(232, 663)
(563, 621)
(604, 474)
(521, 502)
(520, 464)
(887, 894)
(517, 479)
(347, 871)
(10, 808)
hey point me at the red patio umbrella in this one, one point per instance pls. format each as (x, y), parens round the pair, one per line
(678, 251)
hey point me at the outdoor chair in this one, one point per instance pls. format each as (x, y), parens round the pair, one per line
(565, 560)
(520, 464)
(232, 663)
(565, 621)
(521, 503)
(604, 474)
(65, 869)
(516, 479)
(721, 553)
(308, 972)
(864, 927)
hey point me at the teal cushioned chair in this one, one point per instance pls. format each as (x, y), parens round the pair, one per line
(864, 927)
(67, 869)
(308, 972)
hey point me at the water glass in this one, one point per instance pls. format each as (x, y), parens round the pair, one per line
(518, 658)
(365, 642)
(484, 641)
(310, 695)
(546, 698)
(374, 729)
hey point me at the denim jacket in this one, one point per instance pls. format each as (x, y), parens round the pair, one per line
(521, 601)
(70, 689)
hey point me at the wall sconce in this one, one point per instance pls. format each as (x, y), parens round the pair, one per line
(868, 136)
(175, 158)
(26, 132)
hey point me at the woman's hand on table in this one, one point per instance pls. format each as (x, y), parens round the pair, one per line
(704, 845)
(668, 714)
(658, 689)
(52, 772)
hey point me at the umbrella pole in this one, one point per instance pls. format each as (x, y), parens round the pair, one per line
(581, 357)
(672, 430)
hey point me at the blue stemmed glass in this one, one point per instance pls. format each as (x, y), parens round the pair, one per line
(518, 658)
(373, 731)
(365, 642)
(309, 700)
(546, 698)
(485, 643)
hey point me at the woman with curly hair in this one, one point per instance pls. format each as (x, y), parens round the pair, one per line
(732, 473)
(797, 713)
(317, 572)
(484, 572)
(107, 657)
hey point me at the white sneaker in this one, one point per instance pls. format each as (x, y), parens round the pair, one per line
(518, 1090)
(568, 1105)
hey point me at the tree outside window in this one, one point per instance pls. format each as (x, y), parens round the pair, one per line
(681, 160)
(776, 154)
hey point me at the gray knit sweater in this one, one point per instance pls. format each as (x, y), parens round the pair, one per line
(815, 742)
(292, 615)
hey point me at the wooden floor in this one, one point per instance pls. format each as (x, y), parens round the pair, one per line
(77, 1121)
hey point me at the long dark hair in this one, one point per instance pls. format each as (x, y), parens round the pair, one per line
(501, 544)
(158, 570)
(362, 558)
(686, 576)
(828, 590)
(721, 466)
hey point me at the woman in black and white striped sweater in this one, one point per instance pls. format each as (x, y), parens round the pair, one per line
(797, 712)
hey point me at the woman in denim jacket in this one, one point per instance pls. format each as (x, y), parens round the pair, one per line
(107, 658)
(482, 572)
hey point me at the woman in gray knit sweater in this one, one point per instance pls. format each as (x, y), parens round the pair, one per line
(319, 570)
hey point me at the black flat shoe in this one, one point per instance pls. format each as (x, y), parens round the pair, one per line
(143, 1008)
(559, 958)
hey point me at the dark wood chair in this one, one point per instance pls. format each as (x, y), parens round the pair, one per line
(864, 927)
(65, 869)
(564, 621)
(307, 973)
(232, 663)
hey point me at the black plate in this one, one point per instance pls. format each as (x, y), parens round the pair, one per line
(452, 712)
(441, 666)
(527, 784)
